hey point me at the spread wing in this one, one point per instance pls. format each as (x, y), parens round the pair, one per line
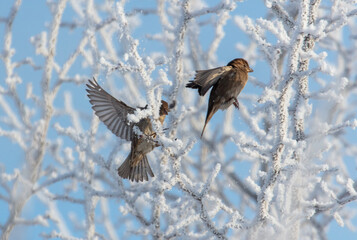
(111, 112)
(205, 79)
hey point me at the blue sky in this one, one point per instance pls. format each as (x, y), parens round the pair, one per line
(34, 17)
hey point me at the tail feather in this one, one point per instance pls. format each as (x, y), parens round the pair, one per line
(143, 174)
(135, 173)
(204, 127)
(125, 169)
(193, 85)
(210, 112)
(147, 168)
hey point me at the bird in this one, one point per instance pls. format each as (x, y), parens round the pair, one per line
(113, 113)
(227, 82)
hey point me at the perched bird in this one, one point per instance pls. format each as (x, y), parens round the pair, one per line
(113, 113)
(227, 81)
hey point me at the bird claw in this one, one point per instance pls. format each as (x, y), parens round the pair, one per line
(236, 103)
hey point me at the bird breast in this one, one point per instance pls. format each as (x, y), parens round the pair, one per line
(227, 90)
(226, 104)
(145, 145)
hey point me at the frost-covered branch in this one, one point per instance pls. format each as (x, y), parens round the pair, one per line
(277, 168)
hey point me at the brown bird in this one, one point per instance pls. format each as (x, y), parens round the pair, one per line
(227, 81)
(113, 113)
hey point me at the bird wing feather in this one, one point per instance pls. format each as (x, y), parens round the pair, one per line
(207, 78)
(112, 112)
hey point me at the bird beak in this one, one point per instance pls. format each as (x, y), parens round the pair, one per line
(172, 105)
(250, 70)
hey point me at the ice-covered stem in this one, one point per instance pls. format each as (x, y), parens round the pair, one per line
(160, 198)
(178, 61)
(242, 186)
(133, 49)
(16, 205)
(327, 209)
(222, 10)
(307, 46)
(69, 63)
(307, 17)
(206, 220)
(144, 72)
(338, 22)
(283, 114)
(8, 53)
(34, 157)
(90, 195)
(218, 36)
(282, 15)
(89, 206)
(222, 6)
(204, 215)
(198, 196)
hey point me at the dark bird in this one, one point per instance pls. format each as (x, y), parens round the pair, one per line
(113, 113)
(227, 81)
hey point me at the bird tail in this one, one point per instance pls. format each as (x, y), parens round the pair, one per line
(192, 84)
(137, 173)
(204, 127)
(210, 112)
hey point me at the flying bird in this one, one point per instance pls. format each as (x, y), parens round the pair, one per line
(227, 82)
(113, 113)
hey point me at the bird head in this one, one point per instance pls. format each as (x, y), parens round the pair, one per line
(240, 63)
(164, 110)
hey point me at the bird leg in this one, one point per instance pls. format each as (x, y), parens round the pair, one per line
(151, 138)
(236, 103)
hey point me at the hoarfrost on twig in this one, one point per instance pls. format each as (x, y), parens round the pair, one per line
(279, 168)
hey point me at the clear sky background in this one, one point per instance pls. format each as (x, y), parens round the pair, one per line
(34, 17)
